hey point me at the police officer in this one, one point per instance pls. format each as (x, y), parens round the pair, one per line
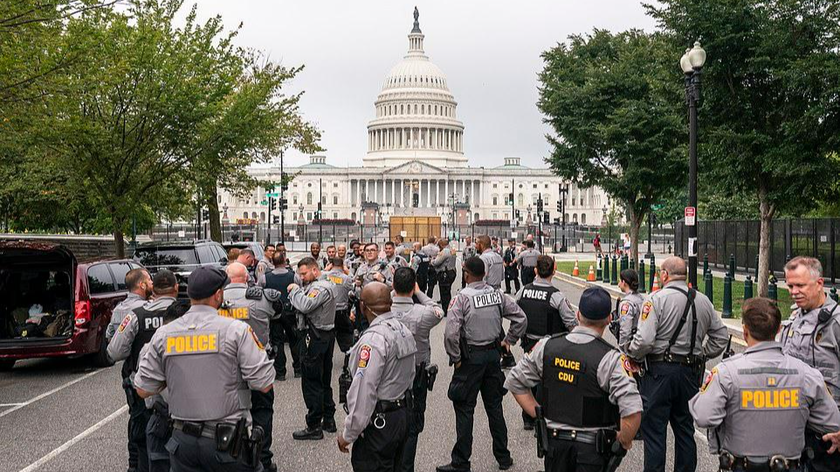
(444, 266)
(527, 261)
(472, 341)
(548, 311)
(588, 395)
(283, 329)
(670, 338)
(493, 265)
(135, 331)
(373, 269)
(249, 260)
(420, 264)
(377, 419)
(812, 335)
(315, 252)
(265, 265)
(207, 363)
(627, 313)
(420, 318)
(394, 260)
(139, 285)
(316, 320)
(494, 244)
(257, 307)
(742, 414)
(511, 274)
(469, 251)
(431, 250)
(355, 258)
(342, 288)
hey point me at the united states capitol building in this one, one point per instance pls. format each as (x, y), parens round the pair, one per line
(416, 165)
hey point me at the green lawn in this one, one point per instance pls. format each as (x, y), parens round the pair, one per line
(785, 301)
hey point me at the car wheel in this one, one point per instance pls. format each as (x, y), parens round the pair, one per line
(101, 359)
(6, 364)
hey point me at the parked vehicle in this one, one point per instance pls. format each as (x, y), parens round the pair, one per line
(259, 253)
(180, 257)
(51, 305)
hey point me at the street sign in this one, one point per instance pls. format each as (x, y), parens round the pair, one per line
(182, 233)
(403, 233)
(513, 235)
(264, 202)
(690, 216)
(272, 195)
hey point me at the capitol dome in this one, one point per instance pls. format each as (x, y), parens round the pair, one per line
(415, 114)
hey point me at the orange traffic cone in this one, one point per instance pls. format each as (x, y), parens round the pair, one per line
(655, 283)
(591, 276)
(576, 271)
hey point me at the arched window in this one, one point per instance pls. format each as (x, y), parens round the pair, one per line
(475, 217)
(323, 200)
(495, 200)
(335, 199)
(402, 109)
(583, 218)
(254, 215)
(574, 217)
(294, 199)
(245, 215)
(353, 216)
(309, 198)
(415, 108)
(520, 200)
(422, 109)
(262, 216)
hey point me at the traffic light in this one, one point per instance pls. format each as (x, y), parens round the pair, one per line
(539, 205)
(284, 204)
(517, 214)
(276, 219)
(205, 214)
(560, 205)
(284, 184)
(546, 219)
(272, 204)
(510, 198)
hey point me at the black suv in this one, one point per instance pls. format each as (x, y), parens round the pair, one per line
(180, 257)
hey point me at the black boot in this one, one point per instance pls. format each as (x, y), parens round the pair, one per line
(309, 434)
(329, 426)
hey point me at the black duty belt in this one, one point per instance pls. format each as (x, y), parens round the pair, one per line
(672, 359)
(586, 437)
(483, 347)
(198, 429)
(385, 406)
(343, 310)
(743, 463)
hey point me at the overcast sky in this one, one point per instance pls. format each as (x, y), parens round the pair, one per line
(490, 52)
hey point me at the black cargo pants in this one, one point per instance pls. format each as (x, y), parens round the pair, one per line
(480, 374)
(572, 456)
(445, 280)
(262, 414)
(381, 450)
(158, 433)
(282, 330)
(138, 418)
(511, 275)
(316, 359)
(191, 454)
(419, 392)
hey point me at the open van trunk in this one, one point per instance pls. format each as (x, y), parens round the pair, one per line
(36, 292)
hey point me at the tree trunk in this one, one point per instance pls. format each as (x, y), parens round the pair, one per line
(119, 243)
(213, 209)
(635, 224)
(767, 211)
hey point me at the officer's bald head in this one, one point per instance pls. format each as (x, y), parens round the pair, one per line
(237, 273)
(376, 300)
(675, 268)
(482, 242)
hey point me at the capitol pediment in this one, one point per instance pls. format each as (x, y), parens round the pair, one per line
(416, 168)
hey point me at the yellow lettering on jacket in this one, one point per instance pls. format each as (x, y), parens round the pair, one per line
(566, 377)
(240, 313)
(566, 364)
(192, 344)
(779, 399)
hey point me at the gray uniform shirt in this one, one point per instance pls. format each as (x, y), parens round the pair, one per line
(528, 257)
(494, 268)
(382, 366)
(253, 305)
(558, 302)
(315, 302)
(479, 334)
(612, 377)
(628, 318)
(263, 267)
(120, 346)
(431, 250)
(396, 262)
(444, 261)
(420, 319)
(751, 396)
(342, 285)
(208, 363)
(821, 349)
(125, 307)
(469, 251)
(661, 313)
(367, 272)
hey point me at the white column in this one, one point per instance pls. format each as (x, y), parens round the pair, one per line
(446, 191)
(437, 192)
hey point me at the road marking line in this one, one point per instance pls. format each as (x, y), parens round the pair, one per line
(6, 405)
(44, 395)
(35, 465)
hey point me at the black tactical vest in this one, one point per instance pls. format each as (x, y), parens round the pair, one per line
(280, 282)
(536, 303)
(147, 323)
(571, 394)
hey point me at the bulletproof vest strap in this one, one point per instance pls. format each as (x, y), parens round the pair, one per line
(571, 393)
(689, 306)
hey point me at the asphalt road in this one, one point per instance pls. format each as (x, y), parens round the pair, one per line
(60, 415)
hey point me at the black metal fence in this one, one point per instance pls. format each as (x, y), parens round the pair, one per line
(815, 237)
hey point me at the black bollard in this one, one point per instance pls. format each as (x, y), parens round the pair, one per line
(710, 283)
(748, 288)
(727, 297)
(642, 277)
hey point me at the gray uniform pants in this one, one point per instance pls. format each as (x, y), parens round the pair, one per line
(191, 454)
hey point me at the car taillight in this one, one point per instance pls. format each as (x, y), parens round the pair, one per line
(82, 312)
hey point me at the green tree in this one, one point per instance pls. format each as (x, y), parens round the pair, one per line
(770, 114)
(611, 104)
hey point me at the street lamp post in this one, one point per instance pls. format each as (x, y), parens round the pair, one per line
(282, 201)
(563, 191)
(691, 64)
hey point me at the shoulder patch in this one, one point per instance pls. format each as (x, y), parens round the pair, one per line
(625, 308)
(646, 309)
(626, 365)
(364, 355)
(708, 380)
(254, 293)
(271, 294)
(125, 322)
(256, 339)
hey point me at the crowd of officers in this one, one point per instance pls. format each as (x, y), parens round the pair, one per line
(199, 374)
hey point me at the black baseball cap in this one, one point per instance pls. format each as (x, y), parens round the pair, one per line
(205, 281)
(595, 304)
(164, 280)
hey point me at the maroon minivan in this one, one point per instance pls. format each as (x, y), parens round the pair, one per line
(52, 305)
